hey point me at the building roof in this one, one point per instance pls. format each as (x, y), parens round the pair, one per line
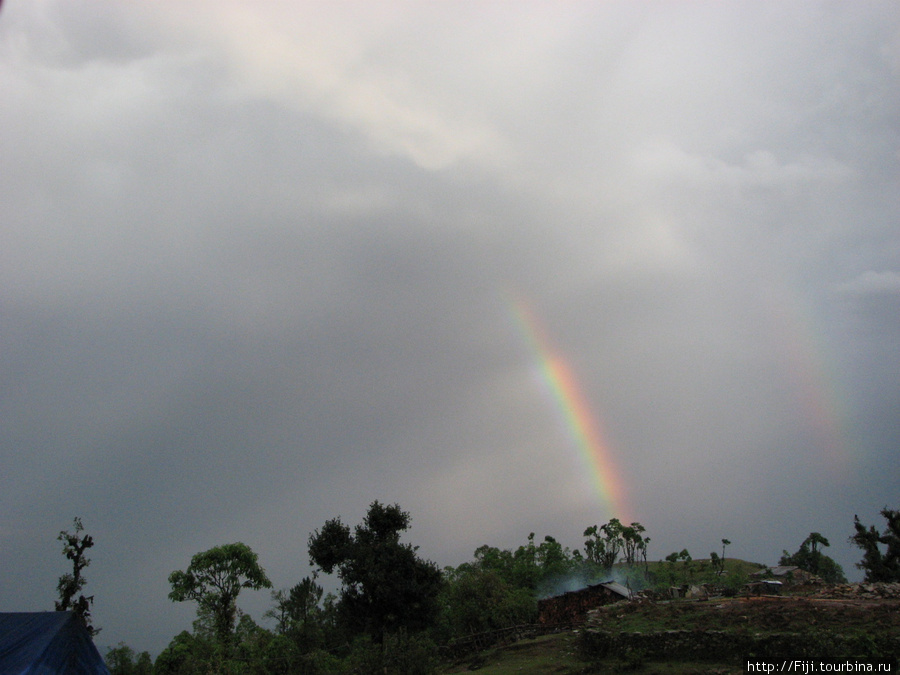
(617, 588)
(783, 570)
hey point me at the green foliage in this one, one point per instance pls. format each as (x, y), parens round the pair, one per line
(120, 660)
(604, 544)
(406, 654)
(475, 600)
(809, 558)
(144, 664)
(634, 659)
(393, 606)
(298, 615)
(214, 579)
(386, 587)
(537, 568)
(74, 546)
(185, 655)
(684, 572)
(398, 654)
(679, 569)
(500, 588)
(634, 545)
(879, 564)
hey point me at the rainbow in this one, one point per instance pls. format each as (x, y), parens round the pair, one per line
(816, 385)
(570, 402)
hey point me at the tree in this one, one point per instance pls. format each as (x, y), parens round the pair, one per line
(476, 600)
(386, 587)
(214, 579)
(186, 653)
(633, 543)
(144, 664)
(120, 660)
(604, 543)
(717, 563)
(298, 614)
(878, 564)
(538, 566)
(554, 562)
(74, 546)
(673, 559)
(809, 558)
(725, 543)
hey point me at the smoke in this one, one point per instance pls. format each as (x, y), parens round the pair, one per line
(630, 577)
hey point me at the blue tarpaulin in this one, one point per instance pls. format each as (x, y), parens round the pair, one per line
(45, 643)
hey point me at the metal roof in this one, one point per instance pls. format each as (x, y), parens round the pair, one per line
(617, 588)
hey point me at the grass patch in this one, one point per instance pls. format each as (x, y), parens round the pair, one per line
(542, 655)
(558, 655)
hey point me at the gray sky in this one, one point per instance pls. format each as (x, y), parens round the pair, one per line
(257, 262)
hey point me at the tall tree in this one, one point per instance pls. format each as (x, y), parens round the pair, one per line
(811, 559)
(604, 543)
(386, 587)
(879, 564)
(214, 579)
(298, 613)
(673, 559)
(632, 542)
(120, 660)
(70, 585)
(716, 562)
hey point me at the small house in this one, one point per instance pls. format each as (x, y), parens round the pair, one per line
(786, 574)
(572, 607)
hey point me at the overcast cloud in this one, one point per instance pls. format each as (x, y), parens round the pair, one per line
(257, 259)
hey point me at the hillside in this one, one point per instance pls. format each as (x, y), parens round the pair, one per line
(716, 636)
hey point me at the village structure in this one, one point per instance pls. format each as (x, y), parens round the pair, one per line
(572, 607)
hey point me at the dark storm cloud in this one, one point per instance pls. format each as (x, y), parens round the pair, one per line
(257, 265)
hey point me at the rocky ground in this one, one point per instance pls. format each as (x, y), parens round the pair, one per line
(869, 591)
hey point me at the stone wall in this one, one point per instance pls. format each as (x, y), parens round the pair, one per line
(690, 645)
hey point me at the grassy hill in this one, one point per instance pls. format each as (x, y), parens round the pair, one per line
(661, 574)
(804, 626)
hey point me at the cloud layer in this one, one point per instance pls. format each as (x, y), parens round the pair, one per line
(257, 262)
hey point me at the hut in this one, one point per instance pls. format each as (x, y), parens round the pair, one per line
(572, 607)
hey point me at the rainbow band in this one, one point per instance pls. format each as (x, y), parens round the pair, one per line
(572, 405)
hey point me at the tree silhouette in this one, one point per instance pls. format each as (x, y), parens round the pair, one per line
(214, 579)
(386, 586)
(70, 585)
(879, 565)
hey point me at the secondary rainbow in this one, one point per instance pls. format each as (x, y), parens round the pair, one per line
(582, 426)
(807, 359)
